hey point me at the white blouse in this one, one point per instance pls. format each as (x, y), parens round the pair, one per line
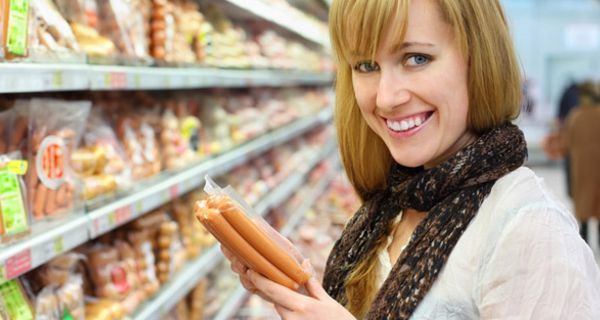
(520, 258)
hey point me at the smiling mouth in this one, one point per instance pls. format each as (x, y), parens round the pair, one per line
(409, 123)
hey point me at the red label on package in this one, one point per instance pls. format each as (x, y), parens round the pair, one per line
(18, 264)
(173, 191)
(50, 162)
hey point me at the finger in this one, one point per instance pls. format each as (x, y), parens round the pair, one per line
(285, 314)
(228, 254)
(278, 294)
(238, 267)
(313, 287)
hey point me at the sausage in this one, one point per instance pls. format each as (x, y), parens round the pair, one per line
(39, 201)
(261, 242)
(51, 206)
(241, 248)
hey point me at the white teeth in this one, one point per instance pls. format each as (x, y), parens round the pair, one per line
(405, 124)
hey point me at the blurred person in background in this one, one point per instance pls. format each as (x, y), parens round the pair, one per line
(581, 138)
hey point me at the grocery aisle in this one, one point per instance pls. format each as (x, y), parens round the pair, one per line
(111, 115)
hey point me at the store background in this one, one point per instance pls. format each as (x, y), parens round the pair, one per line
(284, 164)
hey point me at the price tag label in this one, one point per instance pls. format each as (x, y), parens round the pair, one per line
(166, 196)
(107, 80)
(118, 80)
(59, 245)
(18, 264)
(168, 82)
(123, 214)
(137, 79)
(174, 191)
(2, 274)
(57, 79)
(112, 219)
(139, 208)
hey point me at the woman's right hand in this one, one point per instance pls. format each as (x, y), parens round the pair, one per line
(242, 271)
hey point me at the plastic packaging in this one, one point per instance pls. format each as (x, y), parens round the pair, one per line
(15, 27)
(101, 161)
(50, 34)
(246, 235)
(55, 128)
(14, 216)
(124, 24)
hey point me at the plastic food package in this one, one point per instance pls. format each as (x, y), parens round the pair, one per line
(108, 274)
(15, 24)
(49, 32)
(15, 300)
(83, 18)
(14, 216)
(233, 223)
(55, 128)
(101, 161)
(124, 24)
(145, 260)
(176, 150)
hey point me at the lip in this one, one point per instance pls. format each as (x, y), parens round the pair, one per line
(411, 132)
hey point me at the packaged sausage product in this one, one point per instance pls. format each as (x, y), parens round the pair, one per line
(242, 232)
(123, 22)
(54, 130)
(14, 216)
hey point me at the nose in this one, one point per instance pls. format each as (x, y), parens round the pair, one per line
(392, 90)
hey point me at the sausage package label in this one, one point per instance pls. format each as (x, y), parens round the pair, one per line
(235, 225)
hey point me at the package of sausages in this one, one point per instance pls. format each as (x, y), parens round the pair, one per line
(53, 130)
(241, 231)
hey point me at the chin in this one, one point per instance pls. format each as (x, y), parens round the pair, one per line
(408, 162)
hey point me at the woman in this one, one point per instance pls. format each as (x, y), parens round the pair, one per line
(452, 226)
(581, 135)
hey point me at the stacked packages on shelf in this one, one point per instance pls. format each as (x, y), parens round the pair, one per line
(147, 32)
(120, 270)
(61, 157)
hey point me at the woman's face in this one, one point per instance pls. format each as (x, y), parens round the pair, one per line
(414, 95)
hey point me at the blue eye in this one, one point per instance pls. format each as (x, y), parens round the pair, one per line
(366, 67)
(417, 60)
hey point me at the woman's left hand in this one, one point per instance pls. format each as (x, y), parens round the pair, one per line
(293, 305)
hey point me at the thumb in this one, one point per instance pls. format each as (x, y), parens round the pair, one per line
(313, 287)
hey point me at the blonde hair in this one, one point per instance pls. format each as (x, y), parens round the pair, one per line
(494, 88)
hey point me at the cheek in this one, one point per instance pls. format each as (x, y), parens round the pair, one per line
(365, 94)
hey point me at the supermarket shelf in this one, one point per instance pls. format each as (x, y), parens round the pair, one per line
(175, 290)
(271, 13)
(240, 294)
(27, 77)
(58, 237)
(187, 278)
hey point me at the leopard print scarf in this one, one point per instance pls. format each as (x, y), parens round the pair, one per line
(451, 193)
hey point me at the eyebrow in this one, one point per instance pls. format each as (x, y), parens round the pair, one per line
(404, 45)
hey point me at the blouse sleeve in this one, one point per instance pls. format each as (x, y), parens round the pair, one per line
(540, 268)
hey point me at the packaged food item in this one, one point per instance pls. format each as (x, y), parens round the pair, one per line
(101, 161)
(47, 305)
(196, 300)
(71, 298)
(108, 274)
(15, 300)
(171, 255)
(15, 27)
(145, 260)
(124, 24)
(103, 309)
(176, 150)
(162, 30)
(50, 34)
(14, 216)
(83, 18)
(224, 215)
(55, 128)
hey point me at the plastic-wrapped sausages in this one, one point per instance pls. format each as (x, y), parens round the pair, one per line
(234, 230)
